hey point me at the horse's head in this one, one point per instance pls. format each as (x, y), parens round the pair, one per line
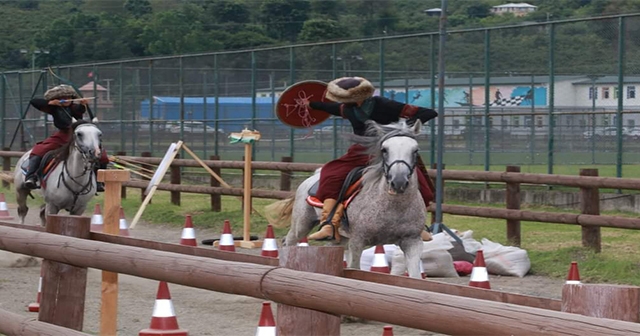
(87, 139)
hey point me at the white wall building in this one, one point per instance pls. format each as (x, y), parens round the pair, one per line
(517, 9)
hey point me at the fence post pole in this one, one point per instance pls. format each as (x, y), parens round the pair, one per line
(590, 205)
(175, 179)
(216, 199)
(6, 165)
(602, 300)
(146, 166)
(301, 321)
(433, 182)
(123, 189)
(285, 175)
(513, 202)
(64, 285)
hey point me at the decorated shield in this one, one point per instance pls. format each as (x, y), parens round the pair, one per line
(292, 110)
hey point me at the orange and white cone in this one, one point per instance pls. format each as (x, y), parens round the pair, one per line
(164, 320)
(479, 274)
(124, 227)
(188, 233)
(266, 325)
(4, 209)
(304, 241)
(269, 246)
(344, 259)
(97, 221)
(226, 240)
(573, 278)
(35, 307)
(380, 263)
(387, 331)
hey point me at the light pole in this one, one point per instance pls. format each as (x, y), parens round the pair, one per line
(33, 60)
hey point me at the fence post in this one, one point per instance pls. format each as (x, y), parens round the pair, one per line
(64, 285)
(602, 300)
(6, 165)
(285, 175)
(590, 205)
(250, 187)
(301, 321)
(513, 203)
(216, 199)
(123, 190)
(146, 166)
(175, 179)
(433, 182)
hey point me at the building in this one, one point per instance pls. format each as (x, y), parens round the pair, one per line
(517, 9)
(432, 11)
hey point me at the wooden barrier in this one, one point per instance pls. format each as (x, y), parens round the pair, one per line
(123, 192)
(513, 203)
(285, 175)
(270, 194)
(602, 300)
(145, 155)
(388, 304)
(176, 178)
(590, 205)
(18, 325)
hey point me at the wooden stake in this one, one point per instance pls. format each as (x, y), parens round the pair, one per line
(246, 240)
(109, 306)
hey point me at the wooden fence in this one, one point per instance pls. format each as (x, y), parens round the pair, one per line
(421, 309)
(589, 183)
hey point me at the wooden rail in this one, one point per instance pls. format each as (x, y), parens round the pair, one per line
(420, 309)
(18, 325)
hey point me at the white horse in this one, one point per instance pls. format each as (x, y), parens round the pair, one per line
(388, 210)
(71, 184)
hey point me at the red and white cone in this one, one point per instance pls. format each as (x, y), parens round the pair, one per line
(164, 320)
(387, 331)
(4, 209)
(479, 274)
(380, 263)
(269, 246)
(97, 221)
(573, 278)
(226, 240)
(188, 233)
(304, 242)
(266, 325)
(344, 259)
(35, 307)
(124, 227)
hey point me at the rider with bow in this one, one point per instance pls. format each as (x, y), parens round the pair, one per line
(64, 105)
(353, 100)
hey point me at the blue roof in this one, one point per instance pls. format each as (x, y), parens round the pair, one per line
(211, 100)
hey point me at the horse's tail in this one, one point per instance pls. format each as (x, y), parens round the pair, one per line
(279, 213)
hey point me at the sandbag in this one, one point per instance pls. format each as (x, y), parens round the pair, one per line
(468, 253)
(436, 261)
(367, 256)
(505, 260)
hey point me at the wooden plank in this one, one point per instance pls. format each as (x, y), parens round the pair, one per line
(301, 321)
(18, 325)
(270, 194)
(35, 227)
(601, 300)
(453, 289)
(64, 285)
(513, 203)
(590, 205)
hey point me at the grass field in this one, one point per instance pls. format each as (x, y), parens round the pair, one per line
(551, 247)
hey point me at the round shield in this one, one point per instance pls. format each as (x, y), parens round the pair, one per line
(292, 110)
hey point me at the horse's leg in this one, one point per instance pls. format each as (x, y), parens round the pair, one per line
(412, 248)
(43, 214)
(302, 222)
(356, 247)
(50, 209)
(21, 198)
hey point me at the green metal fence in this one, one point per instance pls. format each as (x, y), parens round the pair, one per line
(548, 96)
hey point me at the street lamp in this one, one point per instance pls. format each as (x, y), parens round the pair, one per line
(34, 54)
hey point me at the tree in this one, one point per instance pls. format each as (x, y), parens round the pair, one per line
(284, 18)
(316, 30)
(230, 11)
(138, 8)
(478, 10)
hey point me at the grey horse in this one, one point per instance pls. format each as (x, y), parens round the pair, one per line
(71, 184)
(388, 210)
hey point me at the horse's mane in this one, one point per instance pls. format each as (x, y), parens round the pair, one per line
(62, 153)
(372, 141)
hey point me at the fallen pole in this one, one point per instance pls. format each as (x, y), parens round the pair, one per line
(17, 325)
(389, 304)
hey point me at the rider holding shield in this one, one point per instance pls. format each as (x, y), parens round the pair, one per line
(354, 100)
(61, 103)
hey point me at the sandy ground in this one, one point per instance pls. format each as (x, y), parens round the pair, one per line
(199, 311)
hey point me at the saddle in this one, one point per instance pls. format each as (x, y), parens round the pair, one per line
(350, 188)
(47, 164)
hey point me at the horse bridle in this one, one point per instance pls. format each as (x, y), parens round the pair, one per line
(86, 188)
(386, 166)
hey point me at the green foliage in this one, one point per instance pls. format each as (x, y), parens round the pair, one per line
(138, 8)
(315, 30)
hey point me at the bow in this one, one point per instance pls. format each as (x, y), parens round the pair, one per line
(68, 82)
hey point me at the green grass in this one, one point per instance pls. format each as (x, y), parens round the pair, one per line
(551, 247)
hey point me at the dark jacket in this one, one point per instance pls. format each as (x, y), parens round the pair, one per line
(61, 115)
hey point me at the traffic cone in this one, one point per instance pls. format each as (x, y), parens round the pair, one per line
(380, 264)
(304, 241)
(226, 240)
(266, 325)
(270, 246)
(188, 233)
(387, 331)
(97, 221)
(163, 320)
(573, 278)
(35, 307)
(479, 274)
(4, 209)
(344, 259)
(124, 227)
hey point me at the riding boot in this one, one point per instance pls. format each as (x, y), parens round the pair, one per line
(31, 180)
(327, 231)
(426, 236)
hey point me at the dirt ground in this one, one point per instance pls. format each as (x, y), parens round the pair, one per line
(199, 311)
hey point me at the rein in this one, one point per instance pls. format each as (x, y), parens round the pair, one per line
(386, 167)
(86, 188)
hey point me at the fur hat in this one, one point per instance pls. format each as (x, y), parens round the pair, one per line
(60, 91)
(349, 90)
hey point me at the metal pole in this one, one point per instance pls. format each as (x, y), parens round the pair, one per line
(432, 123)
(253, 101)
(619, 121)
(181, 80)
(533, 119)
(439, 181)
(95, 89)
(552, 37)
(487, 88)
(334, 74)
(216, 112)
(22, 144)
(151, 125)
(121, 104)
(292, 79)
(593, 120)
(3, 109)
(273, 121)
(381, 68)
(470, 122)
(43, 76)
(205, 114)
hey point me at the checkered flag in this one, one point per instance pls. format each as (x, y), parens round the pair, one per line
(511, 101)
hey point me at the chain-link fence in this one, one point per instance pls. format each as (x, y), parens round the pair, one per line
(543, 95)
